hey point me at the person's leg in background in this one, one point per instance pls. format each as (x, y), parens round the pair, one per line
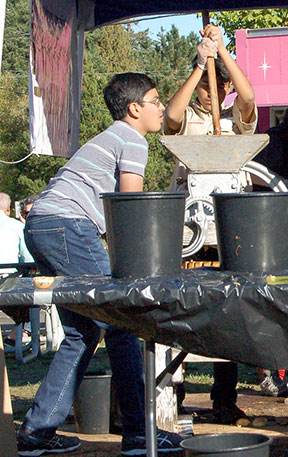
(224, 393)
(273, 383)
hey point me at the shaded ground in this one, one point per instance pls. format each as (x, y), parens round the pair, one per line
(197, 405)
(25, 379)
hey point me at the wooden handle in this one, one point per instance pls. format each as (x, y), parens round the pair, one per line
(212, 81)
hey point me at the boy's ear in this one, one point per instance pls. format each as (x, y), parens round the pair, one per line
(228, 87)
(134, 109)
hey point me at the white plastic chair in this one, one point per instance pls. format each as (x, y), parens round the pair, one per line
(53, 333)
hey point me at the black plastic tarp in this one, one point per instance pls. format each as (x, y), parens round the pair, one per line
(218, 314)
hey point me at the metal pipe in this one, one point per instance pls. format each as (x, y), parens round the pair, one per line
(150, 399)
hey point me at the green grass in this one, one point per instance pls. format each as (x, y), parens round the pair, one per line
(199, 377)
(32, 372)
(24, 379)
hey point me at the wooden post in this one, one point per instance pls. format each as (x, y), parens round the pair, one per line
(166, 402)
(8, 446)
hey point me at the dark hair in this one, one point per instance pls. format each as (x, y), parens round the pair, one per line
(27, 201)
(125, 88)
(221, 70)
(285, 118)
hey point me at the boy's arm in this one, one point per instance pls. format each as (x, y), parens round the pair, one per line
(175, 109)
(130, 182)
(245, 99)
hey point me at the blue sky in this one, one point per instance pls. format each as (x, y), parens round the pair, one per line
(185, 24)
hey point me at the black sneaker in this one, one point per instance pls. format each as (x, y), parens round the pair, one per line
(227, 412)
(30, 445)
(166, 443)
(273, 386)
(9, 342)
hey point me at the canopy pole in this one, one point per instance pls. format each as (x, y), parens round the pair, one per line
(212, 80)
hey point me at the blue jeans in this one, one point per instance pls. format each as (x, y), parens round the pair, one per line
(72, 247)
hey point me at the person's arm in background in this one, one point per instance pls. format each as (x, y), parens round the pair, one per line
(245, 99)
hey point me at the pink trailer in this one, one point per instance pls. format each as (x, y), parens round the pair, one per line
(262, 55)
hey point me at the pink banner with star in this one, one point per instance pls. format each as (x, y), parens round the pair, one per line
(262, 55)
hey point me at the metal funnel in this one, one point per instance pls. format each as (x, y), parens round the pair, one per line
(212, 153)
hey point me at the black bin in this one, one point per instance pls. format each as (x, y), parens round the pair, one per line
(92, 403)
(144, 232)
(252, 231)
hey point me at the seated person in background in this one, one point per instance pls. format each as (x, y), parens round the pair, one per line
(275, 155)
(185, 118)
(12, 244)
(25, 206)
(12, 250)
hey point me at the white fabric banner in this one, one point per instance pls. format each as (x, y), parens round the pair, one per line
(55, 75)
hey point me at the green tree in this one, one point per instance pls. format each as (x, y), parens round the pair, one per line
(177, 54)
(14, 140)
(178, 50)
(250, 19)
(20, 176)
(168, 59)
(159, 167)
(16, 41)
(108, 50)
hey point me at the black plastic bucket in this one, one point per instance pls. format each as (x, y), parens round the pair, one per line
(144, 232)
(252, 232)
(227, 445)
(92, 403)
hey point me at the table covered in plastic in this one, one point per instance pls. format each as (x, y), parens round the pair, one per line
(234, 316)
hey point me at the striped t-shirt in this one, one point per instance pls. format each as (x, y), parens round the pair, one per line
(93, 169)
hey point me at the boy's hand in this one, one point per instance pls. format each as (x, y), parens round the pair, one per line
(214, 33)
(207, 48)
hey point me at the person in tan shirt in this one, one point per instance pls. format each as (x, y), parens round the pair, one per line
(185, 118)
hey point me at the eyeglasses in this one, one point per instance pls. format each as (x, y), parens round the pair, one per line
(155, 101)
